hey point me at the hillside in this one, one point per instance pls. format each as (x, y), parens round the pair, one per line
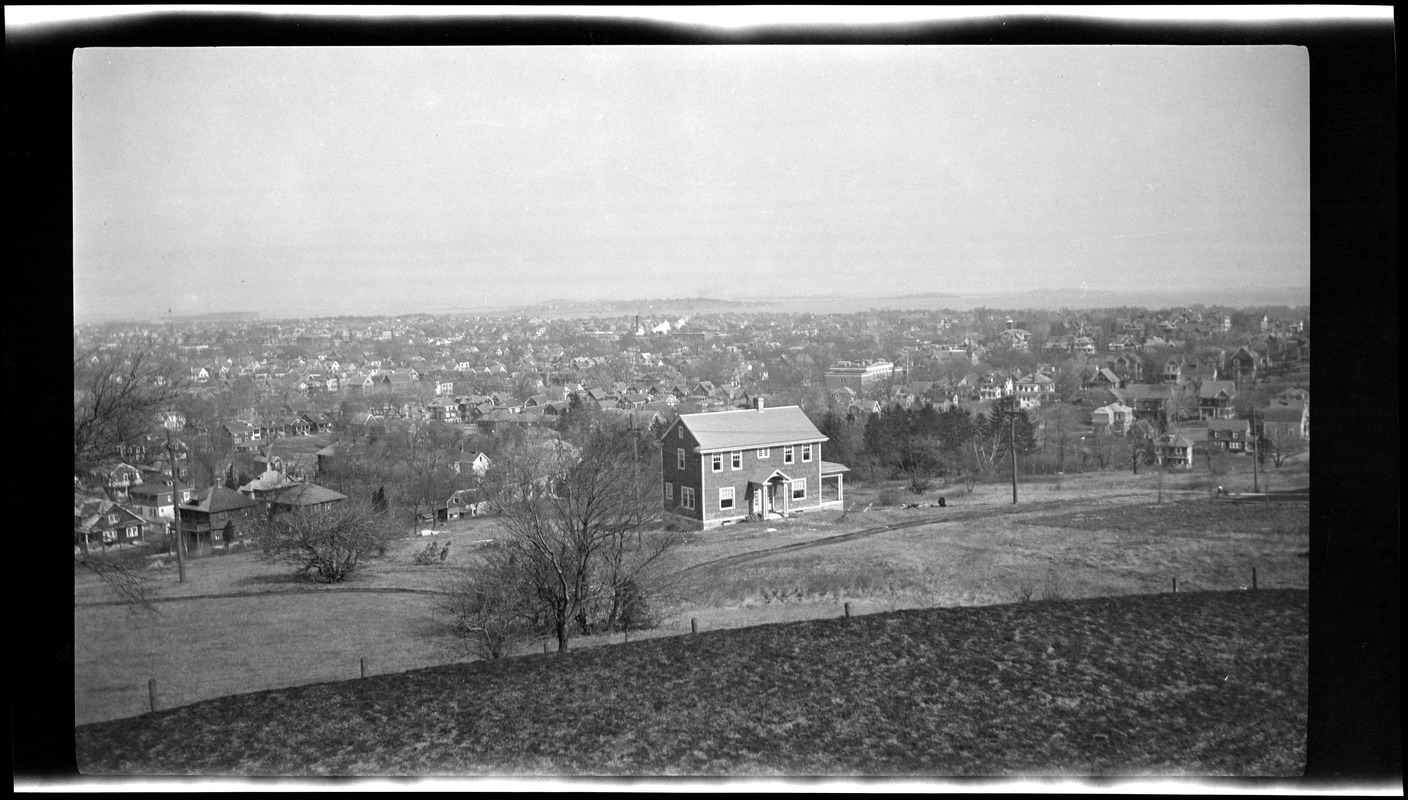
(1210, 683)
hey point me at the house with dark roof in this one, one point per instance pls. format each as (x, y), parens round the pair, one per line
(103, 523)
(217, 519)
(1173, 451)
(758, 462)
(1232, 435)
(1284, 422)
(303, 497)
(156, 500)
(1149, 400)
(1215, 399)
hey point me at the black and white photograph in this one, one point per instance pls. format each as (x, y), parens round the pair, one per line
(522, 413)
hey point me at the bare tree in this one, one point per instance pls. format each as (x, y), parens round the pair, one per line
(328, 543)
(572, 522)
(1282, 445)
(492, 607)
(426, 453)
(130, 584)
(1103, 448)
(1140, 436)
(117, 397)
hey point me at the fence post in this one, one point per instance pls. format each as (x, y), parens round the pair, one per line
(693, 625)
(151, 692)
(364, 666)
(848, 611)
(545, 647)
(1175, 586)
(1253, 579)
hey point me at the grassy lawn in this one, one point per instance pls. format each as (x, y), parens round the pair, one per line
(249, 625)
(1204, 684)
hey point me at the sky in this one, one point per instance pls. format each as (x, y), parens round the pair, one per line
(323, 181)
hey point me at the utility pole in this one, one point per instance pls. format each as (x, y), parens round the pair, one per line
(176, 504)
(1254, 445)
(1012, 442)
(635, 472)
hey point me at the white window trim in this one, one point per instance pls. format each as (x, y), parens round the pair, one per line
(726, 493)
(679, 458)
(764, 452)
(687, 498)
(735, 459)
(716, 462)
(788, 456)
(806, 453)
(799, 484)
(669, 492)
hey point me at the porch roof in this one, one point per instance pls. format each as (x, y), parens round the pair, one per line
(764, 473)
(829, 468)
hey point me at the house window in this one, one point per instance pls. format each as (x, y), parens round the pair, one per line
(687, 497)
(763, 452)
(112, 519)
(717, 461)
(669, 492)
(806, 452)
(679, 432)
(736, 459)
(131, 533)
(787, 455)
(679, 458)
(726, 498)
(799, 489)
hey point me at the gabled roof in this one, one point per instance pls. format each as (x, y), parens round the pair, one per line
(1228, 424)
(268, 480)
(1293, 413)
(1210, 389)
(751, 428)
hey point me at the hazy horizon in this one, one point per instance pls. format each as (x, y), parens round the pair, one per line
(327, 181)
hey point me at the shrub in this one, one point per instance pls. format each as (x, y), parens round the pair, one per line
(326, 544)
(490, 609)
(432, 554)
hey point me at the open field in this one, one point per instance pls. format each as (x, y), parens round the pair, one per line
(1203, 684)
(239, 624)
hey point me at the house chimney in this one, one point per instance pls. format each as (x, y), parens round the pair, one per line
(759, 403)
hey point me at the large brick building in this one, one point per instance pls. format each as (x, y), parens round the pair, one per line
(859, 377)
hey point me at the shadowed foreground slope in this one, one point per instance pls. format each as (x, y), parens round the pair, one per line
(1207, 683)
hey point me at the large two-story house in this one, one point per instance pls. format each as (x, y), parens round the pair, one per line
(761, 462)
(1215, 399)
(216, 519)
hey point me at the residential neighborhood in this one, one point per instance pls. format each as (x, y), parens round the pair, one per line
(278, 414)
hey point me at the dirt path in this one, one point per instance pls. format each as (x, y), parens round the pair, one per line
(269, 593)
(940, 518)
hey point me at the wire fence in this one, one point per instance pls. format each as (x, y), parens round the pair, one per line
(100, 699)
